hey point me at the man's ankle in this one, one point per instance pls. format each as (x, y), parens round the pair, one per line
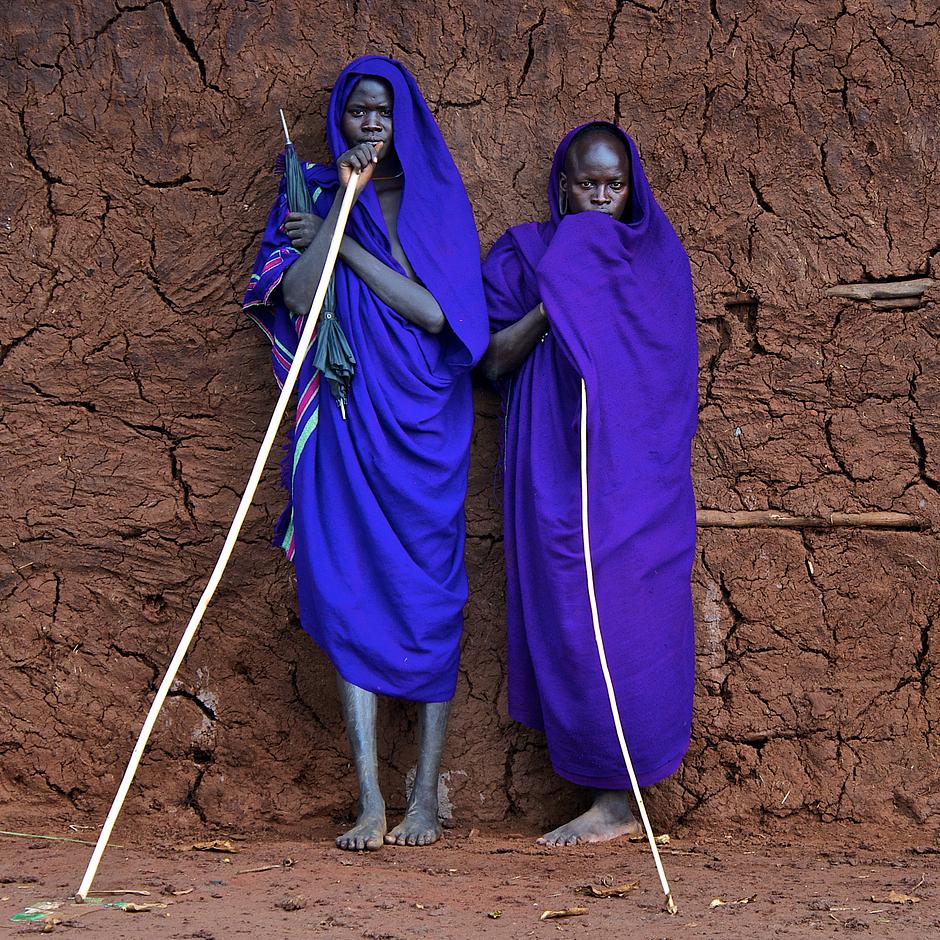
(425, 797)
(372, 802)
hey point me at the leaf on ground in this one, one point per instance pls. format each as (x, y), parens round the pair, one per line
(659, 840)
(609, 891)
(210, 845)
(133, 908)
(567, 912)
(896, 897)
(718, 902)
(296, 902)
(495, 915)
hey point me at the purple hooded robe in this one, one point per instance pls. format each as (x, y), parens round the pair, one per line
(618, 295)
(375, 523)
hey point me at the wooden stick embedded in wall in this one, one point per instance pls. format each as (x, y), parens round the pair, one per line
(742, 519)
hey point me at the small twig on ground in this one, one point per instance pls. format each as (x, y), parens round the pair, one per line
(567, 912)
(143, 894)
(33, 835)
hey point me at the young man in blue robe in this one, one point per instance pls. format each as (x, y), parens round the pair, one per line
(600, 293)
(375, 525)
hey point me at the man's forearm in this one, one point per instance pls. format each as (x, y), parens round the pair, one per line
(508, 348)
(414, 302)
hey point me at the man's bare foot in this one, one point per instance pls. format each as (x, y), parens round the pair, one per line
(609, 817)
(369, 831)
(421, 825)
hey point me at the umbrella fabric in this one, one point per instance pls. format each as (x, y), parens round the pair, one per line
(298, 196)
(332, 354)
(618, 295)
(377, 527)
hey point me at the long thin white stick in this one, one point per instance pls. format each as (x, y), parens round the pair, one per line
(284, 123)
(615, 711)
(230, 539)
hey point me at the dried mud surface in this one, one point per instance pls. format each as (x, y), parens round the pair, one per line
(473, 885)
(794, 150)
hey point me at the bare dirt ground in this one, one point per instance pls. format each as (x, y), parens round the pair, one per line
(474, 884)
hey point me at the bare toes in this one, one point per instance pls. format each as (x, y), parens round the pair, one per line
(367, 841)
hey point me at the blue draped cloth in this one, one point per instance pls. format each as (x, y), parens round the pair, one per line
(375, 523)
(618, 296)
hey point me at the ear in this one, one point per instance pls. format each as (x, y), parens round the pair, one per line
(563, 181)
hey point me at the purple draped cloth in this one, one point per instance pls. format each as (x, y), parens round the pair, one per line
(618, 295)
(375, 524)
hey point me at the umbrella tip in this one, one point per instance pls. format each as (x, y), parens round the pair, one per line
(284, 124)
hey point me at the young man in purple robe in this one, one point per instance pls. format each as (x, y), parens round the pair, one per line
(375, 523)
(600, 292)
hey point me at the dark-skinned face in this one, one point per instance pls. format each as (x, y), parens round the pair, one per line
(368, 115)
(597, 175)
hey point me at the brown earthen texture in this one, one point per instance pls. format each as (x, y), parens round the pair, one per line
(794, 147)
(482, 885)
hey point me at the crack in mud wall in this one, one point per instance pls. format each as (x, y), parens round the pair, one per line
(794, 151)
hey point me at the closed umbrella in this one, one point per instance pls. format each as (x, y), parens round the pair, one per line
(333, 355)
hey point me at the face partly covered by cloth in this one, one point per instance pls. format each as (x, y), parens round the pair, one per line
(596, 177)
(615, 285)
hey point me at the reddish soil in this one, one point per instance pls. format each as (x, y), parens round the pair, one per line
(474, 884)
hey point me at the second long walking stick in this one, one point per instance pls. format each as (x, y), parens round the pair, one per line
(615, 711)
(231, 538)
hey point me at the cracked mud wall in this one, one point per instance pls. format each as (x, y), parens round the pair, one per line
(794, 150)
